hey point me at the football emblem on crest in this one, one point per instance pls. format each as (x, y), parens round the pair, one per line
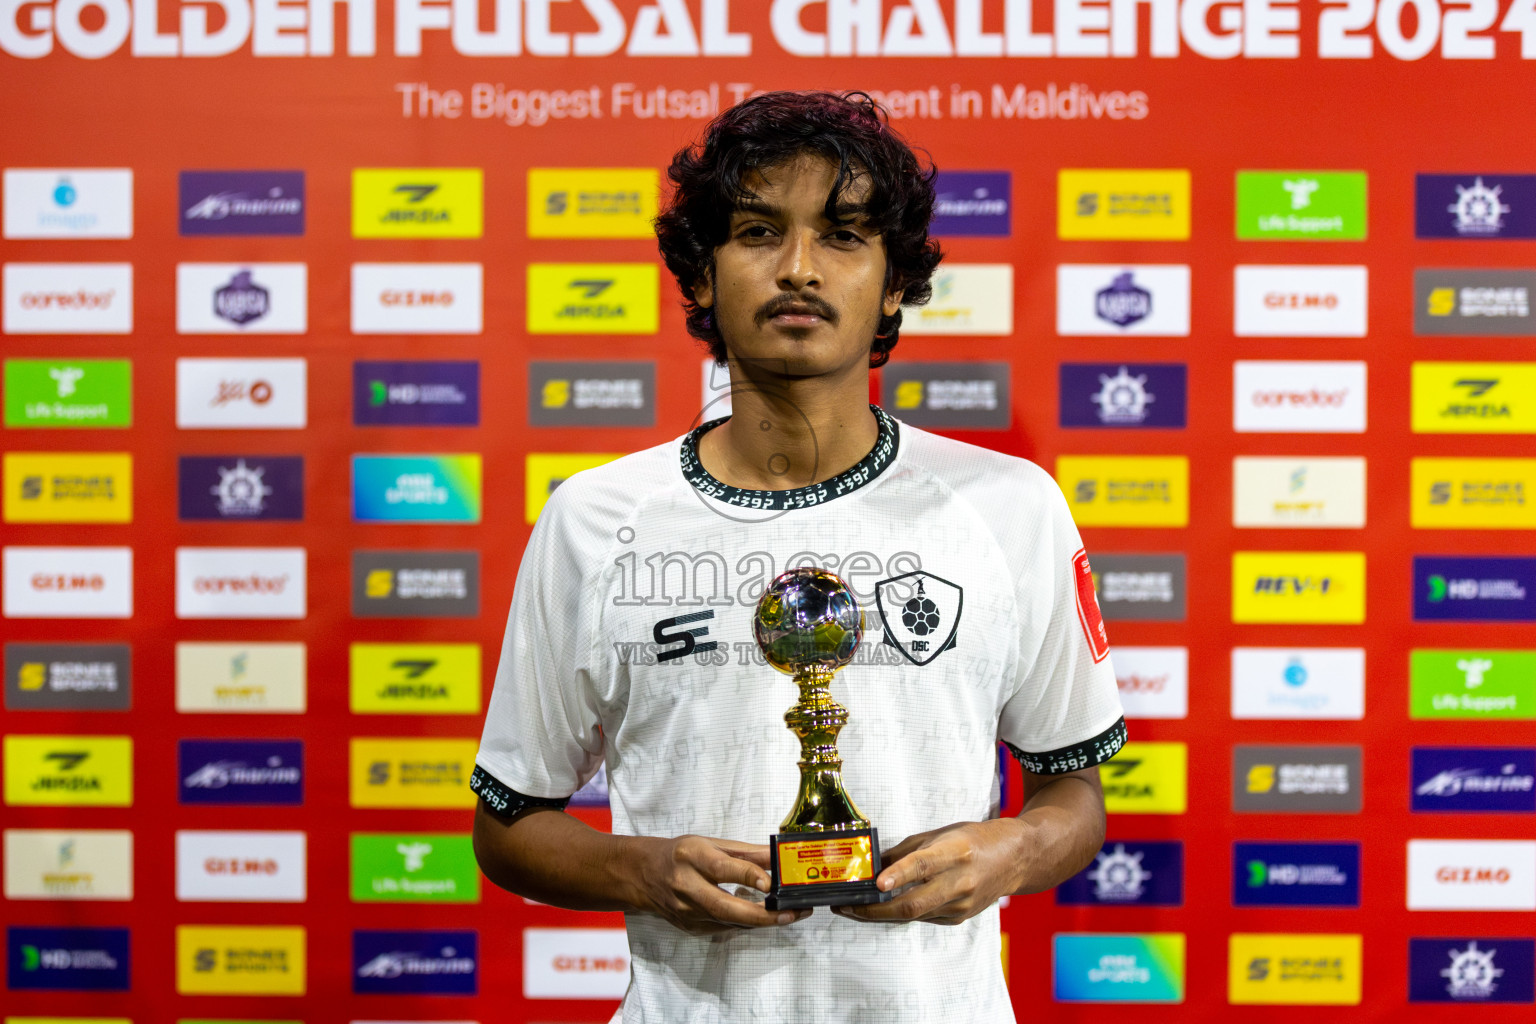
(920, 612)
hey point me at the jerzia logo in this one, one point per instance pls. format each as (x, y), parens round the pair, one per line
(921, 612)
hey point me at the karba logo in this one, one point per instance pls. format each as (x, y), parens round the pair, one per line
(592, 289)
(240, 866)
(1477, 388)
(1299, 300)
(252, 584)
(1472, 876)
(59, 583)
(395, 297)
(592, 964)
(1312, 399)
(80, 299)
(257, 392)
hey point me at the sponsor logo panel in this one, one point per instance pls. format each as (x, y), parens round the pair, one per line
(1471, 874)
(1125, 490)
(1145, 968)
(1298, 682)
(415, 584)
(593, 298)
(1129, 873)
(240, 677)
(67, 959)
(1488, 969)
(1475, 206)
(1146, 778)
(251, 961)
(68, 393)
(414, 867)
(262, 394)
(68, 771)
(1114, 299)
(242, 298)
(241, 583)
(972, 204)
(241, 772)
(544, 471)
(68, 202)
(1460, 779)
(417, 202)
(1295, 780)
(968, 298)
(68, 677)
(68, 298)
(592, 202)
(68, 583)
(592, 394)
(417, 298)
(1479, 684)
(1298, 586)
(1153, 681)
(1317, 492)
(81, 864)
(68, 487)
(252, 867)
(1140, 588)
(416, 488)
(1474, 494)
(1123, 395)
(1294, 397)
(1474, 398)
(1295, 874)
(241, 203)
(1474, 589)
(415, 962)
(435, 394)
(1299, 302)
(575, 963)
(240, 488)
(970, 395)
(1309, 206)
(413, 679)
(1294, 970)
(1461, 303)
(1122, 204)
(406, 773)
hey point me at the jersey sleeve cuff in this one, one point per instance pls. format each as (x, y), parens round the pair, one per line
(1077, 756)
(503, 799)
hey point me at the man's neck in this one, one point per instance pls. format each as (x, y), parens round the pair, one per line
(790, 432)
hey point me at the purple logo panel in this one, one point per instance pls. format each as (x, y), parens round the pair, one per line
(241, 203)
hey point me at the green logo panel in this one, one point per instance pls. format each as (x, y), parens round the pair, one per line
(68, 393)
(415, 867)
(1472, 684)
(1304, 205)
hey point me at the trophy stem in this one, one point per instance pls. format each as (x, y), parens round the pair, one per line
(822, 804)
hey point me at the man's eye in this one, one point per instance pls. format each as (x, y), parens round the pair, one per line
(846, 236)
(755, 231)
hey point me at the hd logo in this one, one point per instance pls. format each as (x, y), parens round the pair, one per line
(415, 679)
(417, 202)
(592, 202)
(1146, 778)
(593, 298)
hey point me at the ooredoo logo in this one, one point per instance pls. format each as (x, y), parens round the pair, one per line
(240, 583)
(1473, 874)
(68, 298)
(416, 298)
(1298, 397)
(68, 583)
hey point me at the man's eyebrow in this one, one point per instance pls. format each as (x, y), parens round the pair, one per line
(843, 211)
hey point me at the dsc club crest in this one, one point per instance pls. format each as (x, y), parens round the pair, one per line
(921, 612)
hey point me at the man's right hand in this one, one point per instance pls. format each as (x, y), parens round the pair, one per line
(680, 880)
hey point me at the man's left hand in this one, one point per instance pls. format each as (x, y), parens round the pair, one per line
(949, 875)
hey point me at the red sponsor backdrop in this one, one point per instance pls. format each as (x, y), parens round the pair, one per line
(326, 115)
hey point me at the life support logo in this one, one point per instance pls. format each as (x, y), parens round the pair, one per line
(921, 612)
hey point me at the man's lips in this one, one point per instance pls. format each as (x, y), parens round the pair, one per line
(796, 313)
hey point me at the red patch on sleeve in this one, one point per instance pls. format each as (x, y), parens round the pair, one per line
(1088, 608)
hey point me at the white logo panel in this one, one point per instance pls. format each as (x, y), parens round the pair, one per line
(575, 963)
(1116, 299)
(259, 867)
(1309, 491)
(68, 202)
(416, 298)
(68, 298)
(1299, 302)
(240, 583)
(1472, 874)
(242, 298)
(68, 583)
(1153, 681)
(1282, 397)
(81, 864)
(1298, 682)
(968, 298)
(252, 393)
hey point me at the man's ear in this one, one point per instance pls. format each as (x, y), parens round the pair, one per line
(704, 289)
(892, 301)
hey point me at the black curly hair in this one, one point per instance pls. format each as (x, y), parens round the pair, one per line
(848, 129)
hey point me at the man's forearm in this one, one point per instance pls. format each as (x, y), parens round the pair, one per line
(547, 855)
(1058, 832)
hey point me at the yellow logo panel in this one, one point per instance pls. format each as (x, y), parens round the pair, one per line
(64, 487)
(1474, 398)
(256, 961)
(1474, 494)
(417, 202)
(1125, 490)
(1293, 970)
(592, 202)
(408, 679)
(69, 771)
(1298, 586)
(546, 470)
(412, 772)
(1146, 778)
(593, 298)
(1122, 204)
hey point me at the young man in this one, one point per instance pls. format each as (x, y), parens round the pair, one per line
(797, 230)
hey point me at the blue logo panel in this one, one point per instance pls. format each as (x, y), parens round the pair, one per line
(241, 772)
(1129, 873)
(1146, 968)
(1124, 395)
(1478, 206)
(1466, 970)
(1461, 779)
(416, 962)
(972, 204)
(1295, 874)
(1474, 589)
(68, 959)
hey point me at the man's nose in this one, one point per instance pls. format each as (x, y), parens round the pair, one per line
(798, 264)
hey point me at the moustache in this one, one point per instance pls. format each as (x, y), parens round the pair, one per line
(787, 303)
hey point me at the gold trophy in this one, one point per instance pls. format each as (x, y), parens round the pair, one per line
(826, 853)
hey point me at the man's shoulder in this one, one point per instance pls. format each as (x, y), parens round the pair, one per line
(591, 504)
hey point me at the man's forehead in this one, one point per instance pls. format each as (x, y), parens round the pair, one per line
(762, 183)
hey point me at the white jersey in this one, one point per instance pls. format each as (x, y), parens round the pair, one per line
(630, 643)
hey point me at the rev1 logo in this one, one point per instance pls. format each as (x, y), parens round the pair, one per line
(1123, 395)
(417, 298)
(1295, 780)
(575, 963)
(1295, 874)
(240, 488)
(1474, 589)
(593, 298)
(1151, 300)
(972, 204)
(1472, 684)
(1298, 682)
(421, 394)
(1479, 206)
(68, 202)
(68, 298)
(243, 772)
(417, 202)
(242, 203)
(248, 867)
(592, 202)
(968, 298)
(1128, 873)
(67, 677)
(1471, 874)
(1146, 778)
(1472, 970)
(1153, 681)
(1146, 968)
(1298, 586)
(592, 394)
(415, 962)
(414, 868)
(1140, 588)
(958, 396)
(1461, 779)
(1449, 303)
(67, 959)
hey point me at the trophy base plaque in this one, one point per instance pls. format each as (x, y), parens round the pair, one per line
(824, 869)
